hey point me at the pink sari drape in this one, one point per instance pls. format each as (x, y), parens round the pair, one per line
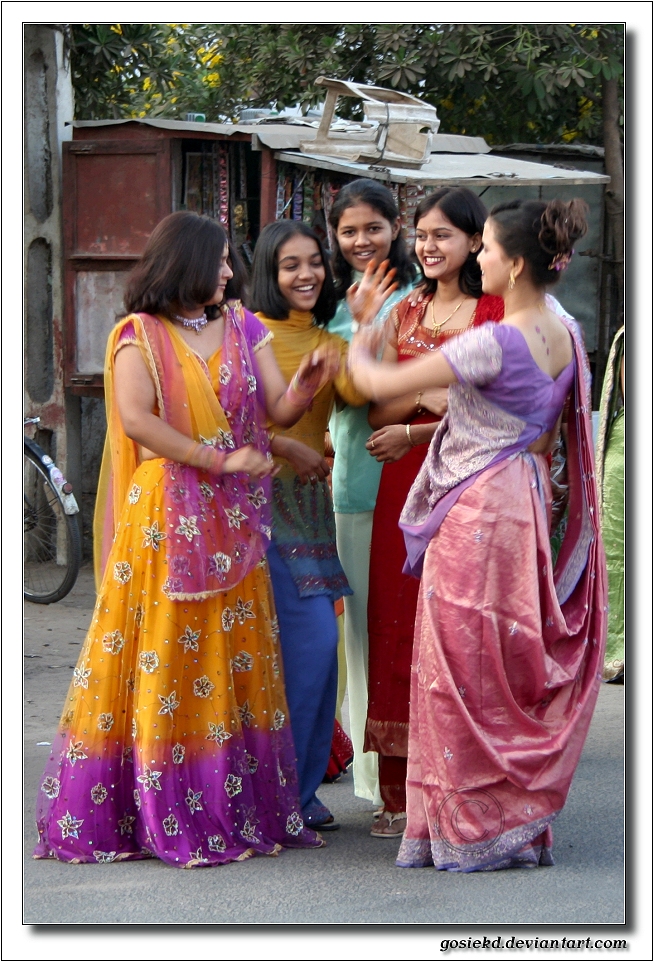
(507, 663)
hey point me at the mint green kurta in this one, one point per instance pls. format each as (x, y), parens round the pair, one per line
(355, 480)
(355, 476)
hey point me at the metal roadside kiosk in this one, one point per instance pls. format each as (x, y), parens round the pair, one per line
(121, 177)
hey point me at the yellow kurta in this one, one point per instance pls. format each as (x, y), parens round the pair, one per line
(293, 338)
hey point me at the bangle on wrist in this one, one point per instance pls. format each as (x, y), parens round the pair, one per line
(298, 394)
(191, 454)
(408, 434)
(213, 460)
(418, 399)
(206, 458)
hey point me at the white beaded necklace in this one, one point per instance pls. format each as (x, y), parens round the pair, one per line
(196, 324)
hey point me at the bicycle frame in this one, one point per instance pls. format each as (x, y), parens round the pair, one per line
(63, 488)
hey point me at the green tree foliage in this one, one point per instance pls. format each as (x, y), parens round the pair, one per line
(507, 82)
(143, 69)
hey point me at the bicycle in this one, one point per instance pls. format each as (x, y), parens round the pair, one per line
(51, 538)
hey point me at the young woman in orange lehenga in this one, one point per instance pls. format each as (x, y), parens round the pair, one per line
(175, 739)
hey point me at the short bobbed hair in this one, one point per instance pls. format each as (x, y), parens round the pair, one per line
(179, 266)
(367, 191)
(540, 232)
(265, 295)
(465, 210)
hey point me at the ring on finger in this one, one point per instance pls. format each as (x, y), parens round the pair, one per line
(372, 445)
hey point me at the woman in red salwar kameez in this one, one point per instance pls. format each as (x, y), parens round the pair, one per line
(448, 224)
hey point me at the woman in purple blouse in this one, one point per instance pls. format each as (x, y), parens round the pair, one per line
(508, 650)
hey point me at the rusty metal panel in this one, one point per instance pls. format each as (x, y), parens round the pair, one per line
(115, 193)
(120, 195)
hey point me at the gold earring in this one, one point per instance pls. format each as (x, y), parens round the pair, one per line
(512, 279)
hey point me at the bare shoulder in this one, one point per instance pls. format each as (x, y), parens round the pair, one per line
(559, 334)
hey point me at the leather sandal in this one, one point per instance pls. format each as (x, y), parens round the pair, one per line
(386, 827)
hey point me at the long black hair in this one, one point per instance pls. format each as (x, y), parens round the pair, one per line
(371, 192)
(464, 209)
(179, 266)
(265, 295)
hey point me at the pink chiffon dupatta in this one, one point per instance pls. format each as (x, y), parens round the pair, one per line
(215, 528)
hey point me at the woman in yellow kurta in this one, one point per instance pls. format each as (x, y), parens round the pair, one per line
(293, 293)
(175, 740)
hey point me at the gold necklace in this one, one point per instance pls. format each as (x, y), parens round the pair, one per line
(437, 328)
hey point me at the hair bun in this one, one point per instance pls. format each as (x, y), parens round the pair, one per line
(562, 223)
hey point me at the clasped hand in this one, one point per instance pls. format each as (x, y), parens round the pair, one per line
(249, 461)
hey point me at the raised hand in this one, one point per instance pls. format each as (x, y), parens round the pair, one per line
(366, 299)
(317, 368)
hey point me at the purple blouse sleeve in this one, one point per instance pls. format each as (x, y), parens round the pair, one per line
(257, 334)
(476, 356)
(126, 336)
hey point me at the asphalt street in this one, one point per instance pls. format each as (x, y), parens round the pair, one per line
(354, 878)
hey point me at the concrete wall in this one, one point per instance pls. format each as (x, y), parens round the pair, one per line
(48, 105)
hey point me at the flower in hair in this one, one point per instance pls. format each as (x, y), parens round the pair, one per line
(560, 261)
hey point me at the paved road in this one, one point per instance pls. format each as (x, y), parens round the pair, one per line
(354, 878)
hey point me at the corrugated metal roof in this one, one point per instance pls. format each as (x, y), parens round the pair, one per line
(458, 161)
(288, 136)
(454, 169)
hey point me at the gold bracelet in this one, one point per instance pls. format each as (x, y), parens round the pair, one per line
(408, 434)
(418, 399)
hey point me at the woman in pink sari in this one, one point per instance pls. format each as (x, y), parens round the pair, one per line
(508, 651)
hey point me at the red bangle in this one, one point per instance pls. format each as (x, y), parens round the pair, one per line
(206, 458)
(297, 394)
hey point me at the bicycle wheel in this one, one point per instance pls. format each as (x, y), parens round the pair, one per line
(51, 539)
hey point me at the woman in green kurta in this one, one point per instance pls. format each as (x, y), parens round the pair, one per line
(609, 467)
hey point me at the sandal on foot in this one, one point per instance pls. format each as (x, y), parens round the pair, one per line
(389, 825)
(329, 826)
